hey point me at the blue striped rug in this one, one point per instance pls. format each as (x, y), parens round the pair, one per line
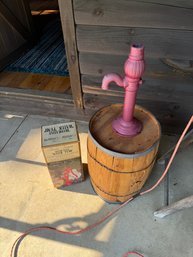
(48, 56)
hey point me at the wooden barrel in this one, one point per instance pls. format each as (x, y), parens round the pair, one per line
(119, 165)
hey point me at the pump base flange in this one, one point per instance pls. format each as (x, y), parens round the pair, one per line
(127, 128)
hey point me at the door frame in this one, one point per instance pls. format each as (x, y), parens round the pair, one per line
(58, 100)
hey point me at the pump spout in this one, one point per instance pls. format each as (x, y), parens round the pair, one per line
(112, 77)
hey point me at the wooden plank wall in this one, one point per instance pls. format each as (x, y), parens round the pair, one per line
(105, 29)
(21, 9)
(15, 25)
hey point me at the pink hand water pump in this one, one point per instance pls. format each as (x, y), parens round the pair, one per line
(126, 124)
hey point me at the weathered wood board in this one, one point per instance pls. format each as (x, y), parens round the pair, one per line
(160, 43)
(68, 27)
(176, 3)
(171, 90)
(172, 115)
(37, 102)
(100, 64)
(133, 13)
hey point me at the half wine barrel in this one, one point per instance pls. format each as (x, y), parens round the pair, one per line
(118, 165)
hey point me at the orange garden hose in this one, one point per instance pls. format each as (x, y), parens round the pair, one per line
(89, 227)
(171, 158)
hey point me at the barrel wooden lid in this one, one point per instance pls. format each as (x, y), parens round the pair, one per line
(101, 130)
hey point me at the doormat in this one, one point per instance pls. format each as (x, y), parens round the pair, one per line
(48, 56)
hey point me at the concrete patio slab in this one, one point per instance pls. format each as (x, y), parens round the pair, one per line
(29, 199)
(9, 122)
(181, 175)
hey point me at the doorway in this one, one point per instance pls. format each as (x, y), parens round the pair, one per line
(38, 63)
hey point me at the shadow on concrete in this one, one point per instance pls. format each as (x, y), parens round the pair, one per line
(88, 239)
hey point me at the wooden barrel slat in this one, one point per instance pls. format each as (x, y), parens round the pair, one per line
(124, 165)
(118, 175)
(144, 161)
(123, 181)
(104, 158)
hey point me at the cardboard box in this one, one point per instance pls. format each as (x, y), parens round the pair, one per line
(61, 148)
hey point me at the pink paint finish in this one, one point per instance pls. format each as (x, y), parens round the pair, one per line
(134, 67)
(112, 77)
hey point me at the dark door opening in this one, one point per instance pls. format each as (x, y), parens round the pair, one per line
(42, 66)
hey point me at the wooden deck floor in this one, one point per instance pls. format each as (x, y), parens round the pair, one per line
(57, 84)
